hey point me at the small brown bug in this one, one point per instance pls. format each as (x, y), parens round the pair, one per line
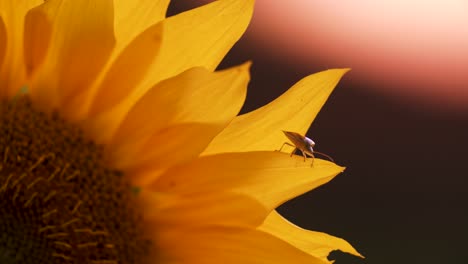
(303, 144)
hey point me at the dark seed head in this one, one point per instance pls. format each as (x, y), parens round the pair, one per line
(59, 203)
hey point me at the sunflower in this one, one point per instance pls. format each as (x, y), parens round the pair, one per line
(119, 142)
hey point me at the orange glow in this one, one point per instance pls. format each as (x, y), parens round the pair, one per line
(412, 48)
(421, 47)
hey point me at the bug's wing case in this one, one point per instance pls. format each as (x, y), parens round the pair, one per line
(294, 137)
(309, 141)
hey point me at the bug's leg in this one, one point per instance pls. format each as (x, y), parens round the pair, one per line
(285, 143)
(304, 155)
(312, 157)
(292, 153)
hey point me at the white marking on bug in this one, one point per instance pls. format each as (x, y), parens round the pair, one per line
(304, 144)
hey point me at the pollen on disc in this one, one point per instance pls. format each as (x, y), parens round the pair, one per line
(59, 203)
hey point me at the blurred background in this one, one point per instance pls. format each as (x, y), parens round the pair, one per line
(398, 121)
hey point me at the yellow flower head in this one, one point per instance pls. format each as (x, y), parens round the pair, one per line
(120, 144)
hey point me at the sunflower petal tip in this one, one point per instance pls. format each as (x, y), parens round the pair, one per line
(345, 70)
(354, 252)
(244, 69)
(342, 71)
(246, 65)
(348, 248)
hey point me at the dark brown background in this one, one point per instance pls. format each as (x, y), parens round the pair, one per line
(402, 198)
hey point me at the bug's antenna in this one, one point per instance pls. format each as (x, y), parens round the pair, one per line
(325, 155)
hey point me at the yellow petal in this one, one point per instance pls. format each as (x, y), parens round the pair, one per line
(138, 37)
(133, 17)
(37, 34)
(293, 111)
(81, 43)
(315, 243)
(165, 148)
(270, 177)
(3, 42)
(196, 95)
(198, 38)
(128, 70)
(12, 72)
(176, 120)
(228, 245)
(169, 211)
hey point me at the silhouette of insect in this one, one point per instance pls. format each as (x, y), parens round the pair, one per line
(303, 144)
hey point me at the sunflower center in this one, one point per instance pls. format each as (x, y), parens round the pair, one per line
(59, 203)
